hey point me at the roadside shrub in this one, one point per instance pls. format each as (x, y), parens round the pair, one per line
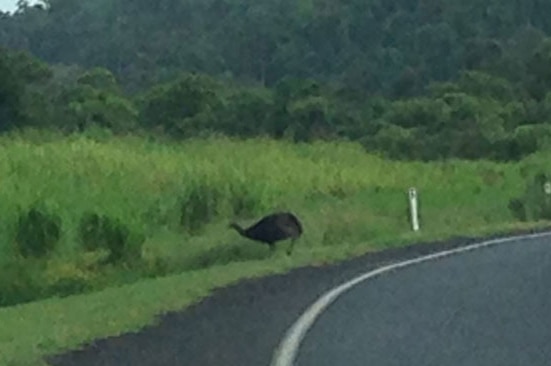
(68, 286)
(90, 232)
(534, 204)
(102, 232)
(199, 207)
(20, 282)
(516, 206)
(38, 232)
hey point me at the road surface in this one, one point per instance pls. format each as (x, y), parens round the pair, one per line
(460, 310)
(487, 307)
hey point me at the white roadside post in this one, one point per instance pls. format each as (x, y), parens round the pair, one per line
(413, 208)
(547, 188)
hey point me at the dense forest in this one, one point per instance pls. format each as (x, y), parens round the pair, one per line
(425, 79)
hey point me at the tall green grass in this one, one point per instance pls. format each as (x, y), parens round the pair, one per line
(174, 201)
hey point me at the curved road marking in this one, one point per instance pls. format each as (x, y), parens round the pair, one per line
(286, 353)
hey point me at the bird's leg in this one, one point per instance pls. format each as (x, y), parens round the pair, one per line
(291, 246)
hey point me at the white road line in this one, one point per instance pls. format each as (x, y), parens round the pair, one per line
(286, 353)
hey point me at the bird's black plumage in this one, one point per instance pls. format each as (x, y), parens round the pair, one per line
(273, 228)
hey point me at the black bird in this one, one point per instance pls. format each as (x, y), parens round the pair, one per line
(272, 228)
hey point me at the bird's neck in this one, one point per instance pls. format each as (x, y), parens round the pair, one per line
(238, 228)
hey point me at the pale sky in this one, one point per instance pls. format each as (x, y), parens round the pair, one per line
(9, 5)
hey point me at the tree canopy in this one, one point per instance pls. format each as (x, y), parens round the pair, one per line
(425, 79)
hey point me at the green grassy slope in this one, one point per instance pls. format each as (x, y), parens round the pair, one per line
(180, 199)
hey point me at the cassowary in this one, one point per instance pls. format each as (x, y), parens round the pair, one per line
(272, 228)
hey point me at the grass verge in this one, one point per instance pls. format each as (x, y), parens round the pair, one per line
(31, 331)
(173, 202)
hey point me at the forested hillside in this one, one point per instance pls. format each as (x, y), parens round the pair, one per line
(421, 79)
(396, 46)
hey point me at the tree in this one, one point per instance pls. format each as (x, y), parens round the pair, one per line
(21, 77)
(539, 70)
(11, 91)
(96, 100)
(182, 107)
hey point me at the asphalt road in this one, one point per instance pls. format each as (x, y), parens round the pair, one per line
(488, 304)
(489, 307)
